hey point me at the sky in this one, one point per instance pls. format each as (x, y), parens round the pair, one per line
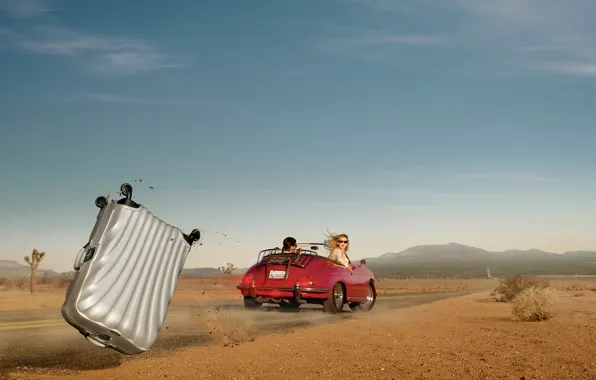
(397, 122)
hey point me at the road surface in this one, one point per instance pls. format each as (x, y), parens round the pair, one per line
(42, 339)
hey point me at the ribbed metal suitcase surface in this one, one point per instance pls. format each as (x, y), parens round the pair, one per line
(126, 277)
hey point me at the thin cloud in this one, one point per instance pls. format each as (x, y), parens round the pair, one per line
(406, 194)
(99, 54)
(112, 98)
(508, 176)
(116, 99)
(28, 8)
(505, 36)
(391, 5)
(413, 40)
(374, 47)
(573, 68)
(563, 31)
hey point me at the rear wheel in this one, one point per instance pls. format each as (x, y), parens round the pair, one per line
(371, 298)
(335, 304)
(251, 303)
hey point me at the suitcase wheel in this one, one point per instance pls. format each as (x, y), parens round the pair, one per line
(101, 202)
(192, 237)
(126, 190)
(195, 235)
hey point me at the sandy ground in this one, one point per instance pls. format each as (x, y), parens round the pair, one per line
(390, 285)
(573, 283)
(468, 337)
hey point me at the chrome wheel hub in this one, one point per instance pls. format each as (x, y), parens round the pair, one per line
(369, 297)
(338, 296)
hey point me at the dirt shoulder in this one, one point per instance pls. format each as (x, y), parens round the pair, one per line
(468, 337)
(198, 290)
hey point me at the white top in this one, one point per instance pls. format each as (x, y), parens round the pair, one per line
(338, 255)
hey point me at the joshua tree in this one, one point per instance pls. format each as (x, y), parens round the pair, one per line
(33, 261)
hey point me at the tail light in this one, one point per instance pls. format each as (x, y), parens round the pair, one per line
(306, 281)
(247, 279)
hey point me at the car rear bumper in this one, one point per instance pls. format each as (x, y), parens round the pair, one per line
(295, 292)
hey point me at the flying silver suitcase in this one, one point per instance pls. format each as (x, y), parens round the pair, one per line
(126, 276)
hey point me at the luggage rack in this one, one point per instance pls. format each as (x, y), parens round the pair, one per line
(303, 255)
(301, 259)
(303, 249)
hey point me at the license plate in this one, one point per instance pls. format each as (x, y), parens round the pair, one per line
(277, 274)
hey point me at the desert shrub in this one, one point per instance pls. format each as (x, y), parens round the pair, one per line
(64, 282)
(44, 280)
(533, 304)
(510, 287)
(24, 283)
(577, 287)
(228, 270)
(7, 283)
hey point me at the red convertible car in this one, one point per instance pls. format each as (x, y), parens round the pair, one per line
(293, 279)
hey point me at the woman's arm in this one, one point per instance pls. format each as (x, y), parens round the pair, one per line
(334, 255)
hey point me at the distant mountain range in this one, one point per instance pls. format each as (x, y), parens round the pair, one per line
(451, 259)
(455, 259)
(10, 268)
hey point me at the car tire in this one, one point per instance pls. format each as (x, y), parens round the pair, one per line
(369, 304)
(251, 303)
(335, 304)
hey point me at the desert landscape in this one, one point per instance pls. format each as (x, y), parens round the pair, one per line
(420, 328)
(444, 148)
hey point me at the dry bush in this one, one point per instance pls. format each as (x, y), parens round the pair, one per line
(228, 270)
(12, 283)
(577, 287)
(64, 282)
(44, 282)
(533, 304)
(510, 287)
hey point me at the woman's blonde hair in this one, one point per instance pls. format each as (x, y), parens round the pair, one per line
(331, 240)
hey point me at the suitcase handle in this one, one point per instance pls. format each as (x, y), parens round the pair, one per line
(85, 254)
(79, 259)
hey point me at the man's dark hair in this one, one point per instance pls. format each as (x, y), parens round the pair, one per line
(289, 242)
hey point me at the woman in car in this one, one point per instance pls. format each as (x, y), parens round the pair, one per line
(339, 245)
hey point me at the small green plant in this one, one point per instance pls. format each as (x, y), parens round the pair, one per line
(33, 261)
(510, 287)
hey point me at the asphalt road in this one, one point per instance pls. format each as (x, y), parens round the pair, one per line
(42, 339)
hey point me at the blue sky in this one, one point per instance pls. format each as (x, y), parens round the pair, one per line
(397, 122)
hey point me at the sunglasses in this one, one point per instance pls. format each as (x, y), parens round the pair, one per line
(344, 241)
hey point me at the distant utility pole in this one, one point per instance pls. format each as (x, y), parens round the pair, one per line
(488, 273)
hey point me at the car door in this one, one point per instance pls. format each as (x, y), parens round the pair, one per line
(360, 280)
(355, 281)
